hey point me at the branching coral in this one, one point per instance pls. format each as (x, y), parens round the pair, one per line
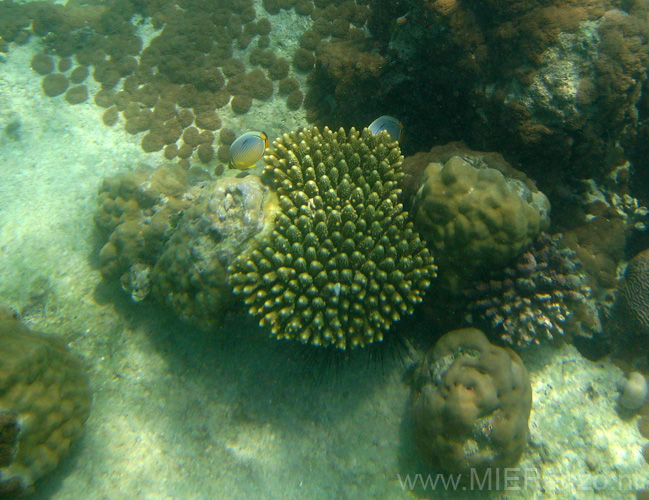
(343, 262)
(537, 298)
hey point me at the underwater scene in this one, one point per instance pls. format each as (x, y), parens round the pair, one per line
(324, 249)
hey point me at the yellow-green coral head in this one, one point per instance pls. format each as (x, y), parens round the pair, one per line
(343, 262)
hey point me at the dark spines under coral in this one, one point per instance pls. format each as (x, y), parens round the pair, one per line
(531, 301)
(343, 262)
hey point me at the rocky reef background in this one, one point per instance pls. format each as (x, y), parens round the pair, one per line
(181, 414)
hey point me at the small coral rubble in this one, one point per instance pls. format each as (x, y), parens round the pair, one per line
(471, 404)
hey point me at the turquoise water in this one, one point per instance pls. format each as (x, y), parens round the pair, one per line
(233, 413)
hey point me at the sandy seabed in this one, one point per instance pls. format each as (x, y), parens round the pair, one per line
(181, 414)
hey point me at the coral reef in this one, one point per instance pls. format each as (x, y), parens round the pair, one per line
(200, 73)
(632, 306)
(540, 297)
(552, 85)
(44, 403)
(471, 404)
(343, 262)
(472, 216)
(224, 216)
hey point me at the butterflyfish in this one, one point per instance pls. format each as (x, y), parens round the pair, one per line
(391, 125)
(247, 149)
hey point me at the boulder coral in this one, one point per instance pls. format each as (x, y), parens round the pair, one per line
(471, 404)
(190, 275)
(472, 216)
(342, 262)
(172, 233)
(135, 213)
(45, 400)
(633, 391)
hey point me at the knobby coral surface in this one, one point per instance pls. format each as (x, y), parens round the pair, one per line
(171, 234)
(45, 392)
(343, 262)
(472, 216)
(190, 275)
(134, 211)
(471, 404)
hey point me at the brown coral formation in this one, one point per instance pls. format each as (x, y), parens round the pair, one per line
(472, 216)
(194, 73)
(348, 69)
(170, 235)
(135, 210)
(44, 402)
(553, 85)
(471, 404)
(633, 299)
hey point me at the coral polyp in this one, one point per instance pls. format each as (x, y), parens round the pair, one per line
(343, 262)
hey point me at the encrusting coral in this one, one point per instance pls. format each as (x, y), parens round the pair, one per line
(45, 394)
(471, 404)
(537, 299)
(343, 262)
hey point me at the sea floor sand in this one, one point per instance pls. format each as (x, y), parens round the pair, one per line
(182, 414)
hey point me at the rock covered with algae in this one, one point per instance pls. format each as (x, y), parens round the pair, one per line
(342, 262)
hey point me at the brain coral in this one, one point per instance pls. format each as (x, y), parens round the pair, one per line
(632, 305)
(471, 404)
(342, 262)
(473, 216)
(536, 299)
(190, 275)
(45, 391)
